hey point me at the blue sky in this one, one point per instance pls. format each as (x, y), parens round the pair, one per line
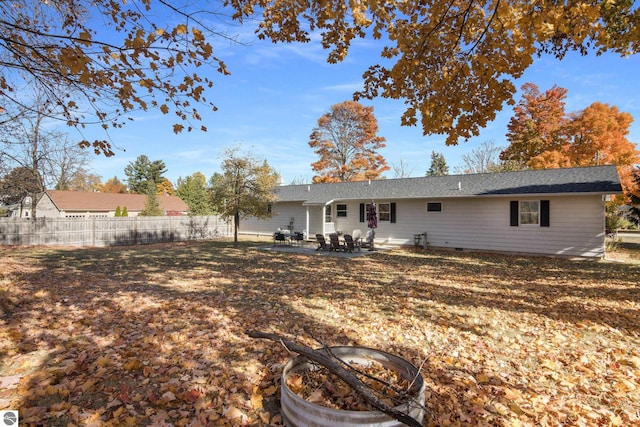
(276, 92)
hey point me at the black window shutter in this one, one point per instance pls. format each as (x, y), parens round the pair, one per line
(361, 212)
(392, 213)
(514, 213)
(544, 213)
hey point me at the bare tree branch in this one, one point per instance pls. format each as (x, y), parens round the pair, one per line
(334, 367)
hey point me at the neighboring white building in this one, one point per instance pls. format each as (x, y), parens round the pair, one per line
(66, 204)
(549, 212)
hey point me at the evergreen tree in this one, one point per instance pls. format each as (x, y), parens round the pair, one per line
(118, 211)
(152, 204)
(143, 171)
(125, 212)
(438, 165)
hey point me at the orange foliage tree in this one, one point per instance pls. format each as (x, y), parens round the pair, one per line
(116, 57)
(537, 129)
(543, 136)
(114, 185)
(346, 141)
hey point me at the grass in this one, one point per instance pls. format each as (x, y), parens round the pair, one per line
(155, 334)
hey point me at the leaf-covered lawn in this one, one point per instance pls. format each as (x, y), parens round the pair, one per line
(155, 335)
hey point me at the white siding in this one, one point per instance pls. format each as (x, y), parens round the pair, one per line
(282, 214)
(576, 224)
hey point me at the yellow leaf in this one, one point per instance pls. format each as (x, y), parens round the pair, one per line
(483, 378)
(256, 400)
(269, 391)
(616, 420)
(181, 29)
(132, 365)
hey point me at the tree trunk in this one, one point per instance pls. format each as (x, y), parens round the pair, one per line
(236, 225)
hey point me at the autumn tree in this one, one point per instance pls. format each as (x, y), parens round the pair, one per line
(467, 53)
(84, 181)
(194, 192)
(165, 187)
(543, 136)
(245, 188)
(346, 141)
(598, 135)
(143, 171)
(538, 127)
(118, 57)
(114, 185)
(111, 57)
(438, 165)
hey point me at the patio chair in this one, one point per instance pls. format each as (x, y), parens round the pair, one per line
(297, 238)
(357, 238)
(322, 243)
(335, 243)
(367, 242)
(349, 244)
(279, 238)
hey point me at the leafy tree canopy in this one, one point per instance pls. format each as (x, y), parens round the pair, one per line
(453, 62)
(245, 188)
(543, 136)
(140, 55)
(194, 192)
(114, 185)
(346, 141)
(112, 58)
(18, 184)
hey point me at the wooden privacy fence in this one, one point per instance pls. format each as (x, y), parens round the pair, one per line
(110, 231)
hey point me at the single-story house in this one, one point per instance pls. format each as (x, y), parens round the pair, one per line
(79, 204)
(550, 212)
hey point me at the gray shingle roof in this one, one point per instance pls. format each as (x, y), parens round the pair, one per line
(584, 180)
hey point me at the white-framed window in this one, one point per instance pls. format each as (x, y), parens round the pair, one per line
(386, 212)
(341, 210)
(529, 212)
(383, 211)
(327, 213)
(434, 206)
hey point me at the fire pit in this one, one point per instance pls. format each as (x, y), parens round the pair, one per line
(298, 412)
